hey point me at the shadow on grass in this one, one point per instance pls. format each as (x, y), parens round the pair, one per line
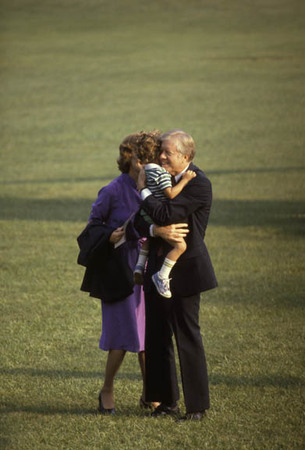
(72, 180)
(52, 373)
(288, 216)
(256, 381)
(259, 381)
(258, 170)
(215, 379)
(47, 410)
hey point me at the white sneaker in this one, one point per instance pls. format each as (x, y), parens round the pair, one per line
(162, 285)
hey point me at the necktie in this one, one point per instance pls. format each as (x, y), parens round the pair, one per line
(173, 180)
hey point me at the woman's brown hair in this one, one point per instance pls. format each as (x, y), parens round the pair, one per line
(145, 145)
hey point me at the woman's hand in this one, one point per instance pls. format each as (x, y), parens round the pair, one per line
(175, 232)
(116, 235)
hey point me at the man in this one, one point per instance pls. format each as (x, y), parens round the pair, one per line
(193, 273)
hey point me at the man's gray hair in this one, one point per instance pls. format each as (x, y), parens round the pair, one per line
(183, 141)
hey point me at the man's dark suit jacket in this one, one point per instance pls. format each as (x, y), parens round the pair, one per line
(193, 272)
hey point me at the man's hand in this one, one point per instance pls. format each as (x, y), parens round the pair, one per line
(116, 235)
(175, 232)
(141, 183)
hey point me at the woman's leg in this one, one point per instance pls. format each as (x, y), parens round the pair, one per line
(141, 358)
(114, 360)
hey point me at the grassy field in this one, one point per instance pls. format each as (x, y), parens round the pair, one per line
(78, 76)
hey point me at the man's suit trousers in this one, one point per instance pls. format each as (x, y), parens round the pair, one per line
(178, 316)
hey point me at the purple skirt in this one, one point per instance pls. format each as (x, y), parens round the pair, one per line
(123, 322)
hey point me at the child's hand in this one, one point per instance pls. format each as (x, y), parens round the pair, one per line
(188, 175)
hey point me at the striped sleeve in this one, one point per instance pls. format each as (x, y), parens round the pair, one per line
(164, 180)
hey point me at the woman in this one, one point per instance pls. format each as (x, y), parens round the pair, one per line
(123, 321)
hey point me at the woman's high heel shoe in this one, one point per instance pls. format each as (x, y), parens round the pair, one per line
(101, 409)
(144, 404)
(148, 405)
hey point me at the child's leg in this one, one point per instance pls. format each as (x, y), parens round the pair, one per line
(161, 278)
(139, 268)
(143, 254)
(176, 252)
(171, 258)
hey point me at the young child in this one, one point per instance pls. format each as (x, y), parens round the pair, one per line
(158, 180)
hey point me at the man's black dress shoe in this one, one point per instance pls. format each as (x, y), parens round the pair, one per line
(101, 408)
(164, 410)
(195, 417)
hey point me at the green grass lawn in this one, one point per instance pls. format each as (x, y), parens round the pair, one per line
(76, 78)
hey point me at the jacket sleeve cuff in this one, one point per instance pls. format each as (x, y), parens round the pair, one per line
(151, 230)
(145, 193)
